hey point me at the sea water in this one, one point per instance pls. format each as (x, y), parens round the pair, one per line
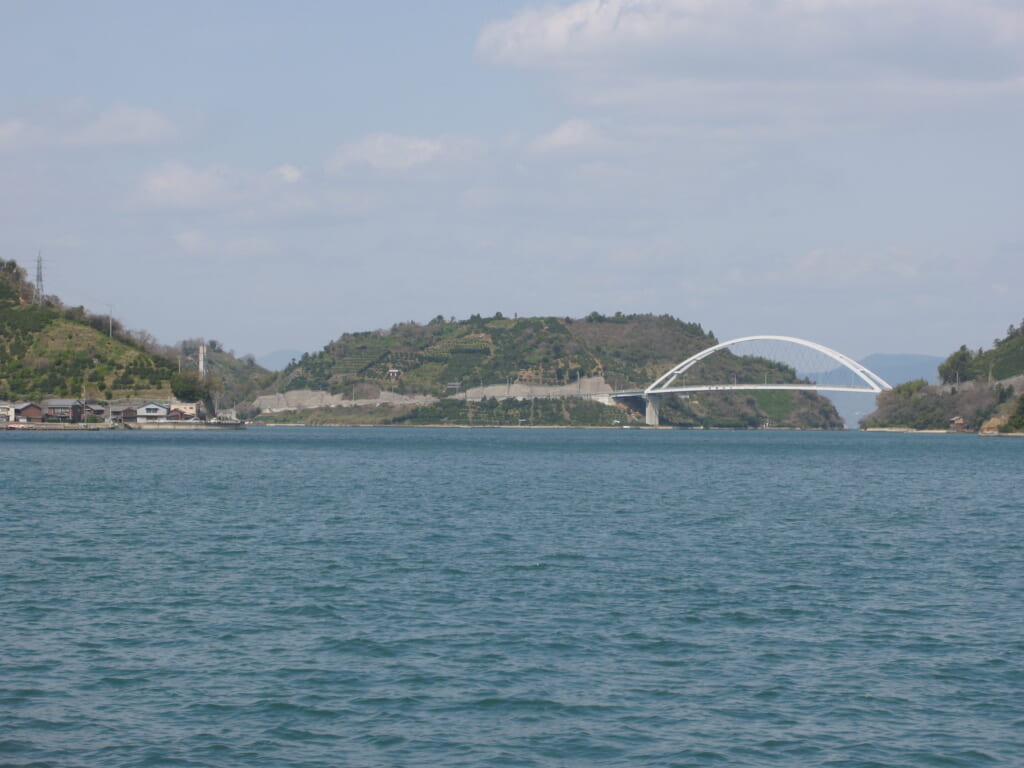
(535, 597)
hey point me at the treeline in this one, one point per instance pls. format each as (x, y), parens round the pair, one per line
(1003, 361)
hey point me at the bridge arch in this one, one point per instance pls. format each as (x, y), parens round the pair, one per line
(666, 384)
(872, 381)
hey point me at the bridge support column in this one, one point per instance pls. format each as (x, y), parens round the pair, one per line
(653, 407)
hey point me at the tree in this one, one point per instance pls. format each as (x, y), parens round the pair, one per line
(187, 386)
(190, 387)
(958, 367)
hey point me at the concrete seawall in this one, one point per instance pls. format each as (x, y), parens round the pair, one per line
(593, 388)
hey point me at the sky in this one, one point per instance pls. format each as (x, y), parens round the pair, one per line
(272, 175)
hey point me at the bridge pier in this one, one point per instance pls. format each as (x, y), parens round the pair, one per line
(653, 407)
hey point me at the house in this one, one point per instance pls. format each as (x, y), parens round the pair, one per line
(20, 412)
(62, 409)
(189, 409)
(151, 412)
(93, 412)
(123, 413)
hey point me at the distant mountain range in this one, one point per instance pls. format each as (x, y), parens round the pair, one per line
(279, 359)
(897, 369)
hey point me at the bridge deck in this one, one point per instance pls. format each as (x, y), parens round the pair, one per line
(740, 387)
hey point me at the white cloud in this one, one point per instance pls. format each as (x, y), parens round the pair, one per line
(661, 75)
(192, 241)
(386, 152)
(11, 133)
(570, 135)
(804, 39)
(288, 173)
(126, 125)
(180, 186)
(583, 27)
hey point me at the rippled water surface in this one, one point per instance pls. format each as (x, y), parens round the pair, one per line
(392, 597)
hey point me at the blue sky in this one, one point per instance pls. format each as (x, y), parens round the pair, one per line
(272, 175)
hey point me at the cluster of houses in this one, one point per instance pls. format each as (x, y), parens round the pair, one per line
(68, 411)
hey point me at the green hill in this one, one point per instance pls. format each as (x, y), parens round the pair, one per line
(629, 351)
(977, 392)
(626, 350)
(49, 350)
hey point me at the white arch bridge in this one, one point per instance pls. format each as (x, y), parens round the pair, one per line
(800, 354)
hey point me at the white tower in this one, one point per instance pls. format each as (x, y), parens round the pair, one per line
(40, 295)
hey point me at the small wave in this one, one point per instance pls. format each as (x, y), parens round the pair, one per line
(516, 705)
(358, 646)
(309, 610)
(277, 707)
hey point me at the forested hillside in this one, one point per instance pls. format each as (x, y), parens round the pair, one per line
(1003, 361)
(47, 349)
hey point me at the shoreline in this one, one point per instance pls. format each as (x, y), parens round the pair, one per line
(233, 426)
(142, 426)
(36, 427)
